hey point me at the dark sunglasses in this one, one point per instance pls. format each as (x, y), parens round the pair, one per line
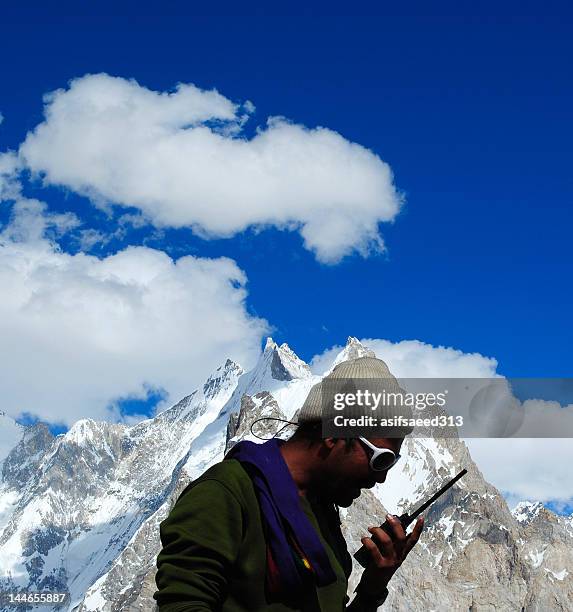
(381, 459)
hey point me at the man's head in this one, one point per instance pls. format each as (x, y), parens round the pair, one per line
(341, 466)
(358, 397)
(337, 469)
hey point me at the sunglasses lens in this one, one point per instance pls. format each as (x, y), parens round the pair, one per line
(384, 461)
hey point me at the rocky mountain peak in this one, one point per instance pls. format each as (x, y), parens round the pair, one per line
(36, 438)
(220, 377)
(90, 433)
(270, 344)
(217, 385)
(259, 406)
(81, 431)
(353, 349)
(83, 510)
(527, 511)
(280, 363)
(22, 462)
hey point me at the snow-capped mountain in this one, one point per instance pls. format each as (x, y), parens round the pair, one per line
(78, 499)
(525, 512)
(80, 512)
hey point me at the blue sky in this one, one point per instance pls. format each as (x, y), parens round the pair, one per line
(472, 112)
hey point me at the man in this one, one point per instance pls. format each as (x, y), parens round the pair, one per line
(260, 530)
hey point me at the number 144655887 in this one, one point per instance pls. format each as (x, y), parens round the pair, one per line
(16, 598)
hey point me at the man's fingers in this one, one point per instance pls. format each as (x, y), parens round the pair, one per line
(397, 530)
(375, 553)
(414, 535)
(392, 541)
(381, 538)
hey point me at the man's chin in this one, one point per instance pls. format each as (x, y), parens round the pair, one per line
(345, 500)
(344, 503)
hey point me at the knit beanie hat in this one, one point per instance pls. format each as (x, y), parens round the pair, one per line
(365, 374)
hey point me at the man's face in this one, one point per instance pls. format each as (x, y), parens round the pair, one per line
(348, 469)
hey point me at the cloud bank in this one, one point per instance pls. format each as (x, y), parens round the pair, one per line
(183, 159)
(535, 469)
(416, 359)
(79, 332)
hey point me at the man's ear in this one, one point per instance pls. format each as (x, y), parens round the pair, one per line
(330, 442)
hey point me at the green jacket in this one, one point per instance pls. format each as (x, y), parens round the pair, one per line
(213, 555)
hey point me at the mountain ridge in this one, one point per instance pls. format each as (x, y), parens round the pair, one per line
(122, 481)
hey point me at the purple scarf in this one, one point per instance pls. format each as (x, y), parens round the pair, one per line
(290, 534)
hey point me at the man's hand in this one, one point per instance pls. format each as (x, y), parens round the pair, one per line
(387, 552)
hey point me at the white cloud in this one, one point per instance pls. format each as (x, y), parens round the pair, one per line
(415, 359)
(78, 332)
(9, 169)
(536, 469)
(522, 468)
(183, 160)
(89, 238)
(31, 222)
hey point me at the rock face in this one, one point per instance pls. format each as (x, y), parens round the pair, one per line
(545, 545)
(83, 503)
(80, 512)
(260, 411)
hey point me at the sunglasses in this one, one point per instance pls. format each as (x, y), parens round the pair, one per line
(381, 459)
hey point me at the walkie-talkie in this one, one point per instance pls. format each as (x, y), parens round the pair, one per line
(362, 555)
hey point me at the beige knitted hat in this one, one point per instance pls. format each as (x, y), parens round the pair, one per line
(361, 373)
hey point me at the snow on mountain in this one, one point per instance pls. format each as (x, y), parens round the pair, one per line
(78, 499)
(276, 366)
(424, 459)
(81, 511)
(279, 371)
(526, 511)
(353, 349)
